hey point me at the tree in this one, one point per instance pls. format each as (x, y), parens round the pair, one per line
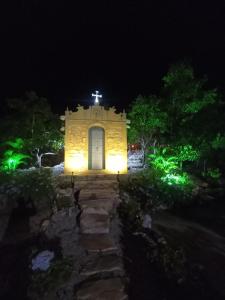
(184, 96)
(31, 119)
(148, 121)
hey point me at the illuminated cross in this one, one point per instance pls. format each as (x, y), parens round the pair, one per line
(96, 95)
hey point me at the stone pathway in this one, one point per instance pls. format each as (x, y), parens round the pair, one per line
(102, 272)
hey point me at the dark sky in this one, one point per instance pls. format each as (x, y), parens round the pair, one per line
(65, 50)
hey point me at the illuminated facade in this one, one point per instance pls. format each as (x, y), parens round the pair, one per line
(95, 141)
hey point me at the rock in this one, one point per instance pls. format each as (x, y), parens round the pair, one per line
(36, 221)
(63, 225)
(61, 222)
(221, 182)
(42, 260)
(162, 207)
(147, 221)
(196, 191)
(102, 290)
(203, 184)
(206, 198)
(44, 225)
(58, 169)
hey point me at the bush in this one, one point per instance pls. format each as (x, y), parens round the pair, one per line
(36, 185)
(149, 191)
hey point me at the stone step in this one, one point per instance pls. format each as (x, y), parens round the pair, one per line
(94, 196)
(94, 210)
(104, 266)
(93, 177)
(106, 204)
(100, 184)
(98, 243)
(94, 222)
(97, 192)
(105, 289)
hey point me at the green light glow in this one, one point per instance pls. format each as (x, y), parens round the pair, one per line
(161, 162)
(187, 153)
(13, 160)
(213, 173)
(178, 179)
(169, 162)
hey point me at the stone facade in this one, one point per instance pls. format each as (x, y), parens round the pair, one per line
(77, 139)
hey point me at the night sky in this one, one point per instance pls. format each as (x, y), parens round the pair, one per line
(65, 50)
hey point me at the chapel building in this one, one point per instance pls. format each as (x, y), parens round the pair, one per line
(95, 140)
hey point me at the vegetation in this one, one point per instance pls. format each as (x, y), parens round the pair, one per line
(34, 131)
(43, 282)
(12, 158)
(179, 131)
(148, 122)
(35, 185)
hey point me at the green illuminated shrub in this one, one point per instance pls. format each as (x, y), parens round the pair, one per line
(160, 160)
(169, 160)
(181, 179)
(212, 173)
(13, 158)
(186, 153)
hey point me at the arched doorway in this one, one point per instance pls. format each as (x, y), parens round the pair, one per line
(96, 149)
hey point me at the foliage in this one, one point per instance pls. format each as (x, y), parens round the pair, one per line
(147, 121)
(43, 282)
(219, 142)
(160, 160)
(169, 161)
(12, 158)
(147, 191)
(187, 153)
(31, 118)
(190, 105)
(17, 143)
(34, 184)
(182, 136)
(172, 262)
(180, 179)
(11, 161)
(186, 93)
(212, 173)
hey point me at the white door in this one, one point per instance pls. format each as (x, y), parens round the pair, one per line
(96, 148)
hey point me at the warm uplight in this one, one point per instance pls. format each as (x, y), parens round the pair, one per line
(116, 163)
(76, 162)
